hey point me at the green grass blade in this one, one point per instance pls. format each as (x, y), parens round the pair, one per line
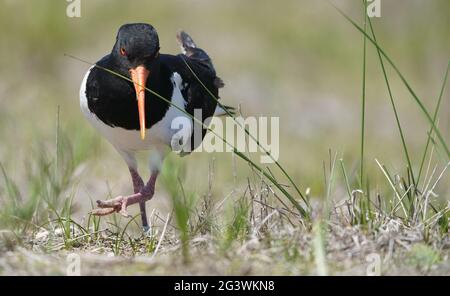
(347, 184)
(391, 183)
(394, 108)
(363, 98)
(405, 82)
(302, 211)
(436, 111)
(330, 183)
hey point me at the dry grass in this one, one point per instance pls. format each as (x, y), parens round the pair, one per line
(247, 233)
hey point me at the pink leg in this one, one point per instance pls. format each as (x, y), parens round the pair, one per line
(120, 203)
(138, 184)
(137, 180)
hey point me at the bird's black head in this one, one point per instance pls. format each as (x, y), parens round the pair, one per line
(136, 45)
(136, 53)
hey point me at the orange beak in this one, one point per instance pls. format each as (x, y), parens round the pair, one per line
(139, 76)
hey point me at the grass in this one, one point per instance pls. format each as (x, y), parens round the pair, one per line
(405, 82)
(410, 193)
(438, 105)
(363, 96)
(394, 108)
(258, 226)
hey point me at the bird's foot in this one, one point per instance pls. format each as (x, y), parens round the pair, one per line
(120, 203)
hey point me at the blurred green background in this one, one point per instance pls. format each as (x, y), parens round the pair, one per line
(299, 60)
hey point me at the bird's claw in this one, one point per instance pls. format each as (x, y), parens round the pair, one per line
(106, 207)
(124, 213)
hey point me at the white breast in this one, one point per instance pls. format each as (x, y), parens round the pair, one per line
(159, 134)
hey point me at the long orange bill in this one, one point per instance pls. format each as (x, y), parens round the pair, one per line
(139, 76)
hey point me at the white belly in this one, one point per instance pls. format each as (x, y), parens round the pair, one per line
(160, 134)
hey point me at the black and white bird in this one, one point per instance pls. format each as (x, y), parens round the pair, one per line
(133, 119)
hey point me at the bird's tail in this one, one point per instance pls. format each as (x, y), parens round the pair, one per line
(187, 44)
(190, 49)
(224, 110)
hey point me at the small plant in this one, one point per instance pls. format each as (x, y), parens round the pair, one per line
(183, 202)
(238, 229)
(120, 236)
(423, 257)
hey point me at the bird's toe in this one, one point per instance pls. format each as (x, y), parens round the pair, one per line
(112, 203)
(125, 213)
(103, 211)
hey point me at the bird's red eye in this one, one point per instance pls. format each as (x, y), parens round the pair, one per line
(123, 51)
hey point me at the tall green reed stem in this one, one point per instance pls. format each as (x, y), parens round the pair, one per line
(394, 108)
(403, 79)
(436, 111)
(363, 99)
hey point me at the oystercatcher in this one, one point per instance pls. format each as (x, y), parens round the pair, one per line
(133, 119)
